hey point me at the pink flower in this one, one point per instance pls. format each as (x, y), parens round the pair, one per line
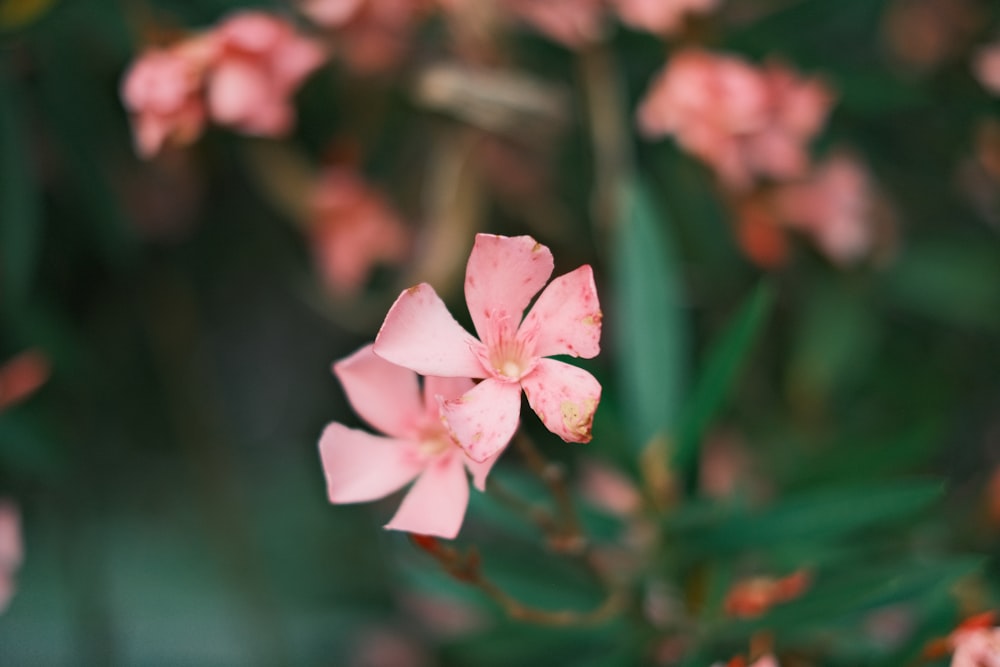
(986, 66)
(834, 207)
(353, 229)
(162, 90)
(261, 61)
(744, 122)
(663, 17)
(572, 23)
(360, 467)
(502, 276)
(241, 74)
(11, 550)
(372, 35)
(978, 647)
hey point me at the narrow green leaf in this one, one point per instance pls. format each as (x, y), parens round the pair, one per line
(20, 218)
(714, 385)
(651, 337)
(818, 516)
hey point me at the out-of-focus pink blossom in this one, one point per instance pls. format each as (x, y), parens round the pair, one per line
(834, 207)
(163, 92)
(502, 276)
(11, 550)
(606, 488)
(986, 66)
(976, 647)
(353, 229)
(372, 35)
(572, 23)
(360, 466)
(766, 660)
(260, 63)
(21, 376)
(663, 17)
(242, 74)
(744, 122)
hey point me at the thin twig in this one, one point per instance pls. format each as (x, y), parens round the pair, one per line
(568, 538)
(466, 568)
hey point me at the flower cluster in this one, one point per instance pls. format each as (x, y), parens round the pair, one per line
(240, 74)
(753, 126)
(459, 424)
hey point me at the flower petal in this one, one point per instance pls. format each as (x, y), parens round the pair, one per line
(360, 466)
(383, 394)
(446, 388)
(436, 504)
(480, 469)
(483, 420)
(502, 276)
(564, 397)
(566, 319)
(236, 89)
(420, 334)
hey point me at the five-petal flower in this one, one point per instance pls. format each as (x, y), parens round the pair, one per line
(502, 277)
(360, 466)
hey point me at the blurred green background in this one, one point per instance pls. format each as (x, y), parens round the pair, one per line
(174, 508)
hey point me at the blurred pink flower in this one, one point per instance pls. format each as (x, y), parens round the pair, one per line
(834, 207)
(572, 23)
(241, 74)
(608, 489)
(11, 550)
(260, 63)
(360, 467)
(976, 647)
(663, 17)
(372, 35)
(353, 229)
(502, 276)
(163, 92)
(744, 122)
(749, 598)
(986, 65)
(21, 376)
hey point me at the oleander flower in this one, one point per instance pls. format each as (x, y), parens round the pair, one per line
(11, 550)
(162, 90)
(353, 229)
(976, 647)
(360, 467)
(664, 17)
(242, 73)
(260, 63)
(745, 122)
(502, 277)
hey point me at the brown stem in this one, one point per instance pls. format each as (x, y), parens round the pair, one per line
(568, 536)
(466, 568)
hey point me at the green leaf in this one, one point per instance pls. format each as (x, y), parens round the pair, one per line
(20, 217)
(652, 334)
(816, 516)
(714, 385)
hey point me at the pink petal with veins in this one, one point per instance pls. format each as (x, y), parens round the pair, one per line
(502, 276)
(383, 394)
(361, 467)
(483, 420)
(420, 334)
(566, 319)
(564, 397)
(436, 504)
